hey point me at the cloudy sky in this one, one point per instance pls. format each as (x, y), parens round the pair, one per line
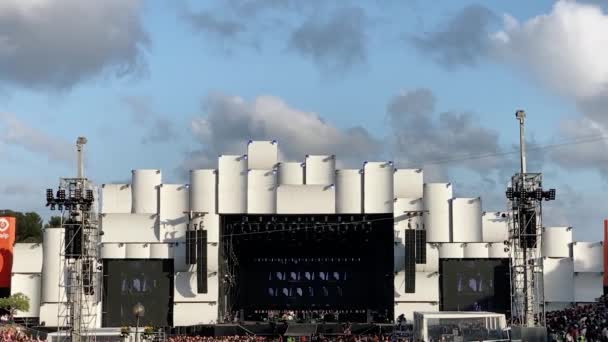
(171, 85)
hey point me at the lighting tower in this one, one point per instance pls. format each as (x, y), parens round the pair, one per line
(525, 195)
(79, 282)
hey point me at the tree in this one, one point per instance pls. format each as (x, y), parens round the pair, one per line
(14, 303)
(29, 225)
(54, 222)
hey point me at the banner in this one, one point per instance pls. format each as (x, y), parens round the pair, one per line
(7, 239)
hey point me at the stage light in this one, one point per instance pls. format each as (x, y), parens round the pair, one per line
(78, 194)
(59, 207)
(52, 207)
(49, 195)
(61, 194)
(539, 194)
(509, 193)
(89, 195)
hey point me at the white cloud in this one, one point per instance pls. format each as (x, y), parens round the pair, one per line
(566, 49)
(56, 44)
(231, 121)
(19, 133)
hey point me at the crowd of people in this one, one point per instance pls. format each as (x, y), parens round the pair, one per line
(317, 338)
(580, 323)
(12, 334)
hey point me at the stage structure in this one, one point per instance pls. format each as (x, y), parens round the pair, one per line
(525, 197)
(259, 239)
(78, 284)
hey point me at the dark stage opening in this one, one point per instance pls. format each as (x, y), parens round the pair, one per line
(131, 281)
(475, 285)
(308, 267)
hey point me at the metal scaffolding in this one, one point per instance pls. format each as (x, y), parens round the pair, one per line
(79, 282)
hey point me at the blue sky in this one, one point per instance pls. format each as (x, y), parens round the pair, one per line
(153, 84)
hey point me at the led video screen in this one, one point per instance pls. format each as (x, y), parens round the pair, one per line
(475, 285)
(132, 281)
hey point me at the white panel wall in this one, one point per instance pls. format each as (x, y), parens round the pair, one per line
(427, 288)
(262, 192)
(160, 250)
(432, 259)
(116, 198)
(451, 251)
(588, 287)
(203, 199)
(29, 285)
(144, 185)
(174, 202)
(232, 185)
(52, 265)
(437, 219)
(408, 309)
(113, 251)
(48, 314)
(348, 191)
(178, 254)
(378, 187)
(306, 199)
(185, 288)
(554, 306)
(263, 155)
(291, 173)
(407, 213)
(187, 314)
(408, 183)
(476, 250)
(466, 219)
(558, 279)
(556, 242)
(494, 226)
(27, 258)
(203, 191)
(211, 223)
(137, 251)
(320, 170)
(497, 250)
(588, 256)
(129, 228)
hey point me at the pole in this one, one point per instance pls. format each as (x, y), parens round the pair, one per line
(137, 329)
(521, 116)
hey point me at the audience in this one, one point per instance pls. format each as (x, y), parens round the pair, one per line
(12, 334)
(580, 323)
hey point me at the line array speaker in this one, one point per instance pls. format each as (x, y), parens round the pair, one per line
(201, 261)
(410, 261)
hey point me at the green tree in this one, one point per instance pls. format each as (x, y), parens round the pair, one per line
(14, 303)
(54, 222)
(29, 225)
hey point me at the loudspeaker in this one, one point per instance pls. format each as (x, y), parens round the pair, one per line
(421, 246)
(527, 226)
(87, 276)
(73, 241)
(190, 247)
(410, 261)
(201, 261)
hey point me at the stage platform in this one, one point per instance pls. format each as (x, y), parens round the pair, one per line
(285, 329)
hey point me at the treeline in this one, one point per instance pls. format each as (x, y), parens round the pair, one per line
(29, 225)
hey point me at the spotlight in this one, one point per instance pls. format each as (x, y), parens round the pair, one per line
(78, 194)
(539, 194)
(61, 194)
(59, 207)
(509, 193)
(49, 195)
(52, 207)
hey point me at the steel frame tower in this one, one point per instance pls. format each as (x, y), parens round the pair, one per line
(79, 285)
(525, 197)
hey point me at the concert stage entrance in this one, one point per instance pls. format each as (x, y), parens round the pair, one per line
(307, 268)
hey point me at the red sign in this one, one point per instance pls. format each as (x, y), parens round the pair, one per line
(7, 239)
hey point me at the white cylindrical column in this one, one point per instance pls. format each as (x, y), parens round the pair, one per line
(145, 191)
(52, 265)
(320, 170)
(203, 188)
(556, 242)
(378, 187)
(232, 184)
(291, 173)
(262, 192)
(466, 219)
(437, 218)
(348, 192)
